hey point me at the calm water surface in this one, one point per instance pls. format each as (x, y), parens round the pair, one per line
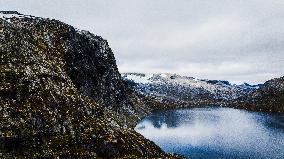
(216, 133)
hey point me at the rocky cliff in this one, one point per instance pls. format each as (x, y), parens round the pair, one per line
(269, 97)
(61, 94)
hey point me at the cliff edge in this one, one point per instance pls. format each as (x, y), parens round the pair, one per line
(61, 94)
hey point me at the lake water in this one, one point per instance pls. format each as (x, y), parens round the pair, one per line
(216, 133)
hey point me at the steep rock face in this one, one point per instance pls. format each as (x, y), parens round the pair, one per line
(91, 66)
(60, 94)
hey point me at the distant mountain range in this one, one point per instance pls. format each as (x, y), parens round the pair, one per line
(189, 91)
(176, 87)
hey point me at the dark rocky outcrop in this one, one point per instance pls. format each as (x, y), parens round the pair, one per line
(269, 97)
(61, 95)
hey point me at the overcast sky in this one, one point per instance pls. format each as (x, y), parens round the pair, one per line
(235, 40)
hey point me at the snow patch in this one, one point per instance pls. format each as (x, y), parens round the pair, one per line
(163, 75)
(145, 78)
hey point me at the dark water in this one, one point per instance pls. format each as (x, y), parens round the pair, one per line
(216, 133)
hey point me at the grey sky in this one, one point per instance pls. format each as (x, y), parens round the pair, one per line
(235, 40)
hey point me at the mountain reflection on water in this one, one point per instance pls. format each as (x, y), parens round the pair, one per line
(216, 133)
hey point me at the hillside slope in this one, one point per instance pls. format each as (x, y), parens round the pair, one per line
(186, 90)
(61, 94)
(269, 97)
(172, 91)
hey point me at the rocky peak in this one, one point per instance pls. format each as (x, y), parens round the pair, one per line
(61, 94)
(276, 85)
(268, 97)
(7, 15)
(89, 61)
(10, 12)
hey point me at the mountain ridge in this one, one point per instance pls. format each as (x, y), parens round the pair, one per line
(196, 86)
(183, 91)
(61, 95)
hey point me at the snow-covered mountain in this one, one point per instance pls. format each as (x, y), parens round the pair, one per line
(183, 88)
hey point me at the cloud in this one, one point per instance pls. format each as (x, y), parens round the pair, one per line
(241, 41)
